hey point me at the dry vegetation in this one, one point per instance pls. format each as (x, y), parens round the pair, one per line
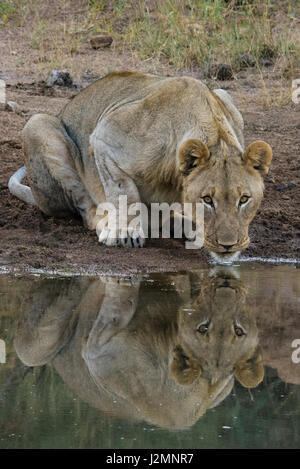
(182, 35)
(258, 41)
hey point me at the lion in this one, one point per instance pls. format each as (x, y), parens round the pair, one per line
(153, 139)
(140, 355)
(225, 338)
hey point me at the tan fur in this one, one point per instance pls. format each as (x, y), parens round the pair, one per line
(218, 352)
(137, 355)
(130, 134)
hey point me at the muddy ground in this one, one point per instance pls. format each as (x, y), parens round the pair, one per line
(30, 239)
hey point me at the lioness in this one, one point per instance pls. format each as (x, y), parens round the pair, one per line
(153, 139)
(225, 338)
(141, 353)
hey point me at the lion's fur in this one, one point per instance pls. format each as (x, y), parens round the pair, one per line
(124, 134)
(131, 369)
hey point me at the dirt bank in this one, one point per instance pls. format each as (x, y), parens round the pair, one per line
(30, 239)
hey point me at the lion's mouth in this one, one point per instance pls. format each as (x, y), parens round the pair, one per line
(225, 255)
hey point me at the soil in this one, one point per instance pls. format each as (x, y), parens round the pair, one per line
(29, 239)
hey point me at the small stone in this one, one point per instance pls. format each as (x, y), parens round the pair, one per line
(2, 95)
(220, 72)
(60, 78)
(12, 106)
(101, 42)
(285, 187)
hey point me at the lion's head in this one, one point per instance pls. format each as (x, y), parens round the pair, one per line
(230, 185)
(218, 337)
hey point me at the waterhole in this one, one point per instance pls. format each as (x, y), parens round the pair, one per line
(205, 359)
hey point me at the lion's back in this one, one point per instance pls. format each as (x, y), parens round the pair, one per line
(82, 113)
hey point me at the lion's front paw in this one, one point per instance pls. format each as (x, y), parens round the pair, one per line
(127, 238)
(132, 238)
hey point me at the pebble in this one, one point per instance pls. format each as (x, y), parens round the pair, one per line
(101, 42)
(60, 78)
(220, 72)
(12, 106)
(285, 187)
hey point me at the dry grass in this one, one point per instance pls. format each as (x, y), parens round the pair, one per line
(190, 34)
(184, 35)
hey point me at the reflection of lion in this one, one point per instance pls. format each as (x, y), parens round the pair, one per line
(154, 139)
(123, 349)
(217, 336)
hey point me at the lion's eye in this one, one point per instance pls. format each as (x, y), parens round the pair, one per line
(208, 200)
(203, 328)
(239, 331)
(244, 199)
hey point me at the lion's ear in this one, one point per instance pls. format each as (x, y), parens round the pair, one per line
(250, 372)
(258, 155)
(184, 369)
(192, 154)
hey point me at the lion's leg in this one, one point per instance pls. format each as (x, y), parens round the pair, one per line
(116, 183)
(48, 320)
(117, 309)
(49, 155)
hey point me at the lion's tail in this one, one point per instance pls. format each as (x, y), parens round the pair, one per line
(20, 190)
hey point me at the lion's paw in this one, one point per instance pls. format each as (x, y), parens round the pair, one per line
(130, 238)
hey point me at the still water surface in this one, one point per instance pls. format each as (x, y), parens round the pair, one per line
(189, 360)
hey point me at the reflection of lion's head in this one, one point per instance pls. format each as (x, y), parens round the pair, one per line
(230, 185)
(163, 365)
(217, 336)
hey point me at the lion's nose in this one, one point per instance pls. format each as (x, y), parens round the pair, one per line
(227, 247)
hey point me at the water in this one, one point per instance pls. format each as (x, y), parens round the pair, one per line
(189, 360)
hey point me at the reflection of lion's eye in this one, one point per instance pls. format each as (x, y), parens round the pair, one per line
(244, 199)
(239, 331)
(203, 328)
(208, 200)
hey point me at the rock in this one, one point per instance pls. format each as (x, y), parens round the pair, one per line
(220, 72)
(285, 187)
(246, 61)
(2, 95)
(12, 106)
(60, 78)
(101, 41)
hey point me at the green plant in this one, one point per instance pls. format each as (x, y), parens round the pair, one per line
(6, 9)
